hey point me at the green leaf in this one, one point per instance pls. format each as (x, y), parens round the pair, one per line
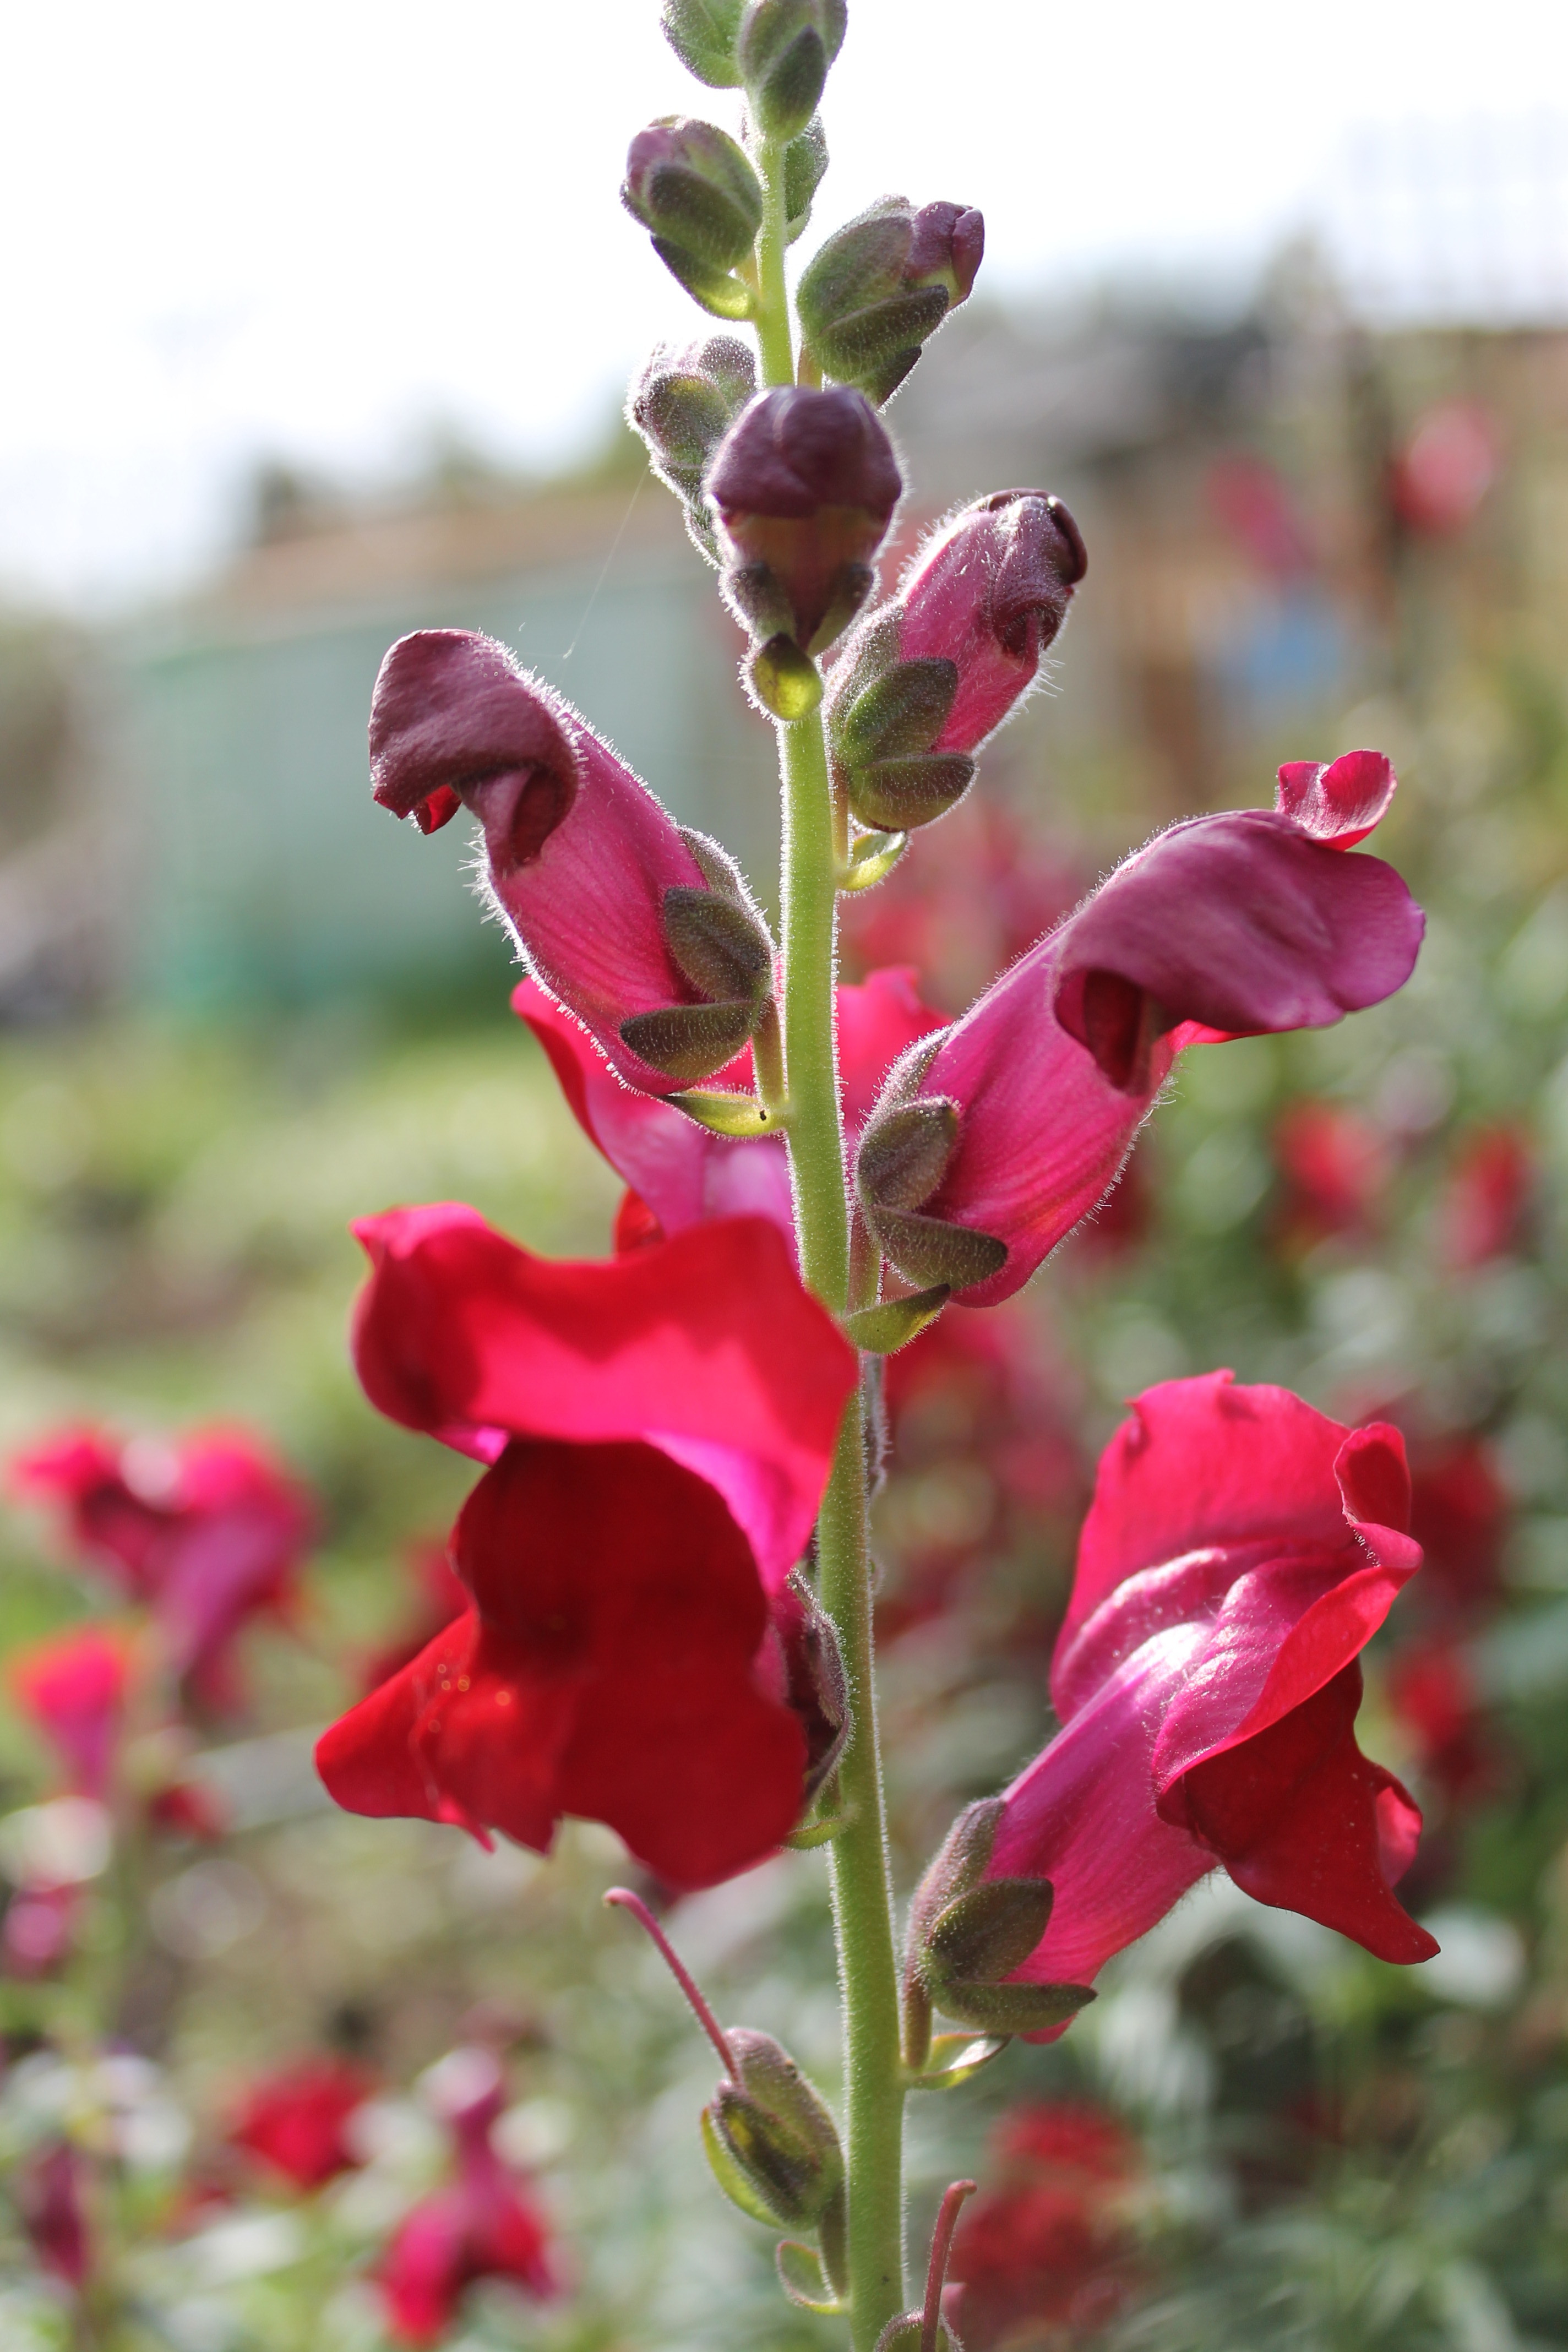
(956, 2058)
(894, 1322)
(802, 2278)
(727, 1114)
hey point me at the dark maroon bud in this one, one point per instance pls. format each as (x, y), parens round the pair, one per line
(803, 486)
(450, 722)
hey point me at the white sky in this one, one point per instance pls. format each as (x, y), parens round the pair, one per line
(322, 228)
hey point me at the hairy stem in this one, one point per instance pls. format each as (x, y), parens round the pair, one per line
(861, 1879)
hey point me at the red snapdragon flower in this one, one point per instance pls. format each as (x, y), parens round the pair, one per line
(1240, 1552)
(481, 2225)
(661, 1428)
(681, 1174)
(1335, 1165)
(207, 1532)
(1484, 1207)
(47, 2189)
(295, 2120)
(580, 859)
(1045, 2245)
(439, 1595)
(1222, 927)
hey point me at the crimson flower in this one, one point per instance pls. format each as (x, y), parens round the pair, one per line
(1484, 1207)
(641, 929)
(207, 1532)
(660, 1430)
(1044, 2244)
(481, 2225)
(73, 1688)
(439, 1595)
(47, 2189)
(1336, 1170)
(1240, 1552)
(989, 1146)
(681, 1174)
(295, 2120)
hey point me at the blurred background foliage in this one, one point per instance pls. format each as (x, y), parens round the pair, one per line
(1303, 537)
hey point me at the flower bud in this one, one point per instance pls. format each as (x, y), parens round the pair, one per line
(883, 284)
(692, 187)
(929, 676)
(702, 35)
(682, 404)
(771, 2137)
(643, 930)
(804, 164)
(804, 486)
(784, 50)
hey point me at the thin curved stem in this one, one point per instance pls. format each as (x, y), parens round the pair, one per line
(936, 2270)
(621, 1899)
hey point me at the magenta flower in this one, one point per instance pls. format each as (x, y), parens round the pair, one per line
(642, 930)
(989, 1145)
(681, 1174)
(930, 675)
(207, 1532)
(73, 1688)
(804, 484)
(482, 2225)
(1240, 1552)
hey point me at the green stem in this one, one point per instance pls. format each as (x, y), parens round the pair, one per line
(863, 1916)
(771, 316)
(859, 1860)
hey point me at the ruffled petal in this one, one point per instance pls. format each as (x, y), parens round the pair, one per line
(705, 1345)
(1298, 1816)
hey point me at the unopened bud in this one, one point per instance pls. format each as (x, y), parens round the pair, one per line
(815, 1686)
(682, 404)
(771, 2137)
(882, 723)
(804, 486)
(785, 49)
(805, 166)
(690, 185)
(702, 35)
(785, 682)
(883, 284)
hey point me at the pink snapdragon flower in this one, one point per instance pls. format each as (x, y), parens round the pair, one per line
(991, 1143)
(207, 1532)
(73, 1689)
(1240, 1552)
(580, 859)
(482, 2225)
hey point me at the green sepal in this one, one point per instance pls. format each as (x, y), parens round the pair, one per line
(872, 859)
(897, 794)
(986, 1933)
(956, 2058)
(725, 1114)
(902, 710)
(1012, 2008)
(858, 347)
(785, 681)
(958, 1863)
(904, 1153)
(803, 2278)
(720, 945)
(731, 2178)
(930, 1250)
(822, 1830)
(702, 35)
(689, 1041)
(892, 1323)
(805, 166)
(716, 291)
